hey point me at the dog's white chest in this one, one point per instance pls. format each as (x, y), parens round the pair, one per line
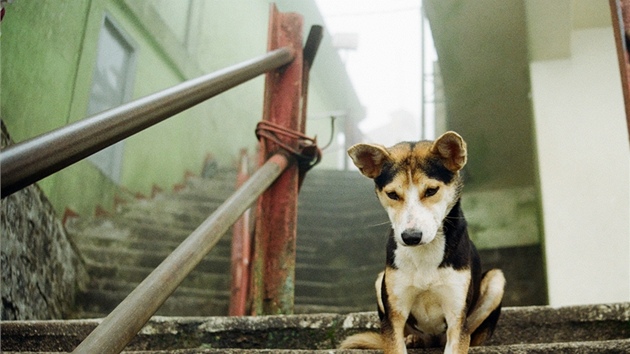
(428, 314)
(443, 297)
(429, 293)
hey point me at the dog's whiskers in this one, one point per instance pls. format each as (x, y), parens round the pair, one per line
(379, 224)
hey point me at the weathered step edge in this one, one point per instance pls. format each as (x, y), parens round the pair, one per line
(520, 330)
(621, 346)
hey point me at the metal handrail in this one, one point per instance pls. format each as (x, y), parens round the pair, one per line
(32, 160)
(122, 324)
(39, 157)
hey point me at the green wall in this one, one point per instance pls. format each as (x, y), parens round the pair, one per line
(48, 56)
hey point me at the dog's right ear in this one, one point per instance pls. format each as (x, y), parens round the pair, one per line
(369, 158)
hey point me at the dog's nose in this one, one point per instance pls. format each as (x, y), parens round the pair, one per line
(411, 237)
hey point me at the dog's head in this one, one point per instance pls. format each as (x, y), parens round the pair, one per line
(417, 183)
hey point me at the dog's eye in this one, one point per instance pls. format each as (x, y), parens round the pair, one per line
(393, 195)
(431, 192)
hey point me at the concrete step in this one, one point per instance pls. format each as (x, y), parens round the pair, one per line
(122, 249)
(119, 228)
(323, 177)
(173, 209)
(211, 263)
(99, 303)
(209, 293)
(575, 329)
(134, 275)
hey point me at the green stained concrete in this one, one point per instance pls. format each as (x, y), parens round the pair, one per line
(48, 55)
(41, 47)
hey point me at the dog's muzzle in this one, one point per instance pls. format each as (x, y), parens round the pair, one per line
(411, 237)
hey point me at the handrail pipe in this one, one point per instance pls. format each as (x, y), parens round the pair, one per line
(32, 160)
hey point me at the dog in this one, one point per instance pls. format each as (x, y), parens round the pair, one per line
(432, 292)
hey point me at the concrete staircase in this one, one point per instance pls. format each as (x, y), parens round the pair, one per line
(582, 329)
(122, 249)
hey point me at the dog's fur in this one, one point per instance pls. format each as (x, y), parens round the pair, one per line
(432, 292)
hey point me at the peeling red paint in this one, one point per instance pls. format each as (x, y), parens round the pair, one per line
(273, 269)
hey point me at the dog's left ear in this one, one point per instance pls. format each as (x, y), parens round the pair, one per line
(451, 148)
(369, 158)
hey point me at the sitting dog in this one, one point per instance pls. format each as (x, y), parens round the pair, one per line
(432, 292)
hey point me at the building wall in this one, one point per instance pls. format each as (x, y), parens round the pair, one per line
(584, 171)
(49, 50)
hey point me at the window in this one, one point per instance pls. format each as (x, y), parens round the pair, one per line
(111, 86)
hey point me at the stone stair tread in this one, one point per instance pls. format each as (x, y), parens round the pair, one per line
(120, 228)
(305, 293)
(203, 196)
(312, 309)
(611, 347)
(620, 346)
(135, 274)
(340, 217)
(139, 220)
(332, 302)
(139, 258)
(177, 204)
(177, 303)
(330, 274)
(93, 238)
(615, 346)
(127, 287)
(542, 329)
(108, 284)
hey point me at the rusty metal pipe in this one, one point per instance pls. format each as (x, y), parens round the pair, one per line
(34, 159)
(126, 320)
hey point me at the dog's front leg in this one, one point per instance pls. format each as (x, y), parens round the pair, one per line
(395, 309)
(454, 307)
(393, 333)
(457, 337)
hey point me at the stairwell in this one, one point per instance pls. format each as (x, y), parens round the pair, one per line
(120, 250)
(340, 225)
(337, 226)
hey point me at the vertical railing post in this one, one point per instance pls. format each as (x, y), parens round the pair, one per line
(273, 264)
(620, 11)
(241, 249)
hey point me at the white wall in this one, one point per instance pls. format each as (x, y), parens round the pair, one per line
(584, 162)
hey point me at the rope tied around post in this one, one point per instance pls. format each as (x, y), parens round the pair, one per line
(307, 153)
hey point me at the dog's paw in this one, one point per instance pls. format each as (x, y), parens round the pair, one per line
(424, 341)
(415, 341)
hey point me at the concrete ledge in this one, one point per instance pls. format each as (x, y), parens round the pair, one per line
(610, 347)
(576, 329)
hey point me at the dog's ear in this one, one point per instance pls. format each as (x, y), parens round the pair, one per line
(369, 158)
(451, 148)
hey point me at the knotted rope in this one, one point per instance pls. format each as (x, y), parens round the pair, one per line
(305, 150)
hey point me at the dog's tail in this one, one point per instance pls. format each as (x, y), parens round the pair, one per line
(365, 340)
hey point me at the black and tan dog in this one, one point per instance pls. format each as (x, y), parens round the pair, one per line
(432, 292)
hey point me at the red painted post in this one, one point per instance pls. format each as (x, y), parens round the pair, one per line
(273, 266)
(241, 249)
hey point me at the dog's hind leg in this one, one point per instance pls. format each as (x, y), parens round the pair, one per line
(484, 317)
